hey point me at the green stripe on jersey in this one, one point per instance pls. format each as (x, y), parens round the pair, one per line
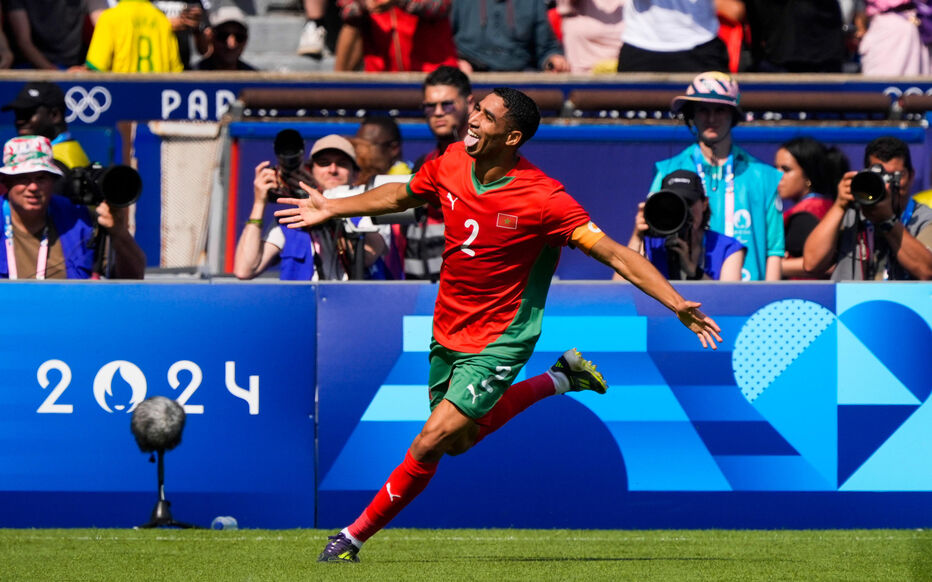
(483, 188)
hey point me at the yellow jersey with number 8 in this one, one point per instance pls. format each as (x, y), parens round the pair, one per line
(134, 37)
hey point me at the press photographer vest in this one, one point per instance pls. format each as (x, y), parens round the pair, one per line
(297, 256)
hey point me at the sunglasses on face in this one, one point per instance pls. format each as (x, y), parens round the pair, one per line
(446, 107)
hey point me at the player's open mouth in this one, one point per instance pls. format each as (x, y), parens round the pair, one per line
(471, 139)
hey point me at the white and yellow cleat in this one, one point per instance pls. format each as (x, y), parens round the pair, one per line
(580, 373)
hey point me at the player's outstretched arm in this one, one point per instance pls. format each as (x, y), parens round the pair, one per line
(315, 209)
(635, 268)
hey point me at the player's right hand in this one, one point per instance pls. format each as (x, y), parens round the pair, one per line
(306, 212)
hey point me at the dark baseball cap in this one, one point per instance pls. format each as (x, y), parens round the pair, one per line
(685, 183)
(37, 93)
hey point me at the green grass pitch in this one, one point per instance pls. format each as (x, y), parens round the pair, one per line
(458, 554)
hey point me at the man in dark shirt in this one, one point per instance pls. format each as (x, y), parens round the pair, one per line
(228, 34)
(796, 36)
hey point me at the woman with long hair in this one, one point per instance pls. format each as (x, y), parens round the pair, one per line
(811, 172)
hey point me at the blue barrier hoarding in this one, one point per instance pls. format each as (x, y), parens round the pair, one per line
(812, 413)
(76, 359)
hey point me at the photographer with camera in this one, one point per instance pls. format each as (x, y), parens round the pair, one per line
(325, 252)
(671, 229)
(47, 236)
(874, 230)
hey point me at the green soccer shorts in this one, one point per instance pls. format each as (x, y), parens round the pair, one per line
(472, 382)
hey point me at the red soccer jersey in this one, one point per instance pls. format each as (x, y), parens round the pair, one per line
(503, 241)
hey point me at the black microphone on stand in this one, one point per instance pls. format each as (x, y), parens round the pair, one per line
(157, 424)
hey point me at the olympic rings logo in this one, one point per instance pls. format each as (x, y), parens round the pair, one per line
(87, 105)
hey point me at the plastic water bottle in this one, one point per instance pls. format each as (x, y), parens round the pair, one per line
(224, 522)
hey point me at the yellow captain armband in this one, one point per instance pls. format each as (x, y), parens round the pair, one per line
(585, 237)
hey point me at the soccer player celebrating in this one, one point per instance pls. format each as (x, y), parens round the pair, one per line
(506, 222)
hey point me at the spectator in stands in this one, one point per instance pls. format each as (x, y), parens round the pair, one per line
(811, 174)
(394, 35)
(742, 190)
(134, 37)
(671, 37)
(890, 41)
(796, 37)
(228, 34)
(695, 252)
(321, 253)
(49, 237)
(314, 34)
(48, 34)
(378, 145)
(378, 149)
(188, 21)
(509, 35)
(39, 109)
(888, 240)
(591, 34)
(448, 102)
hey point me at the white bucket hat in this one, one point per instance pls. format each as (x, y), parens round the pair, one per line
(28, 153)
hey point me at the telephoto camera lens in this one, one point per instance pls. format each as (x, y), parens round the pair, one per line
(868, 186)
(665, 212)
(289, 153)
(289, 149)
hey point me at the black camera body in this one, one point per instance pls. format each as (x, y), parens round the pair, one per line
(869, 186)
(289, 153)
(117, 185)
(666, 213)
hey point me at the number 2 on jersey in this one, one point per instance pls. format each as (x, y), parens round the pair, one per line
(473, 227)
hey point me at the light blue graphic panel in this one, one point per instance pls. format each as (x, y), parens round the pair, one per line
(903, 462)
(801, 404)
(772, 338)
(863, 379)
(634, 403)
(666, 456)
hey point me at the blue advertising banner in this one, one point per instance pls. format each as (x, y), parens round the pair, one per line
(77, 358)
(814, 412)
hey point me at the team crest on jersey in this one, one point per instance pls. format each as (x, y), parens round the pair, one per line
(506, 221)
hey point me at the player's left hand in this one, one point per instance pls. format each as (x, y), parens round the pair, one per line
(699, 323)
(306, 212)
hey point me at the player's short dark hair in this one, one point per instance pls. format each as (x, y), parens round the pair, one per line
(447, 75)
(388, 125)
(521, 111)
(886, 148)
